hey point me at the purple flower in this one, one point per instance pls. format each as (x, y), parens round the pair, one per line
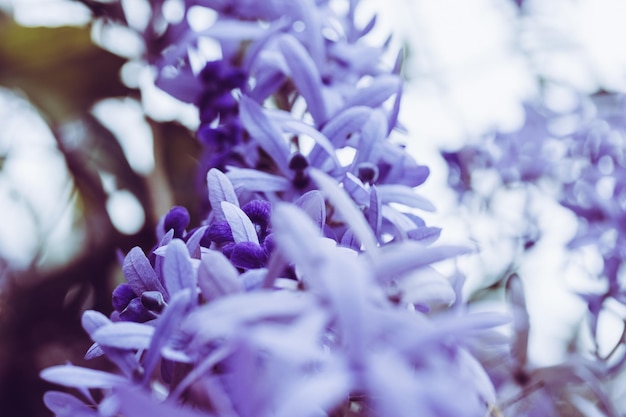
(307, 289)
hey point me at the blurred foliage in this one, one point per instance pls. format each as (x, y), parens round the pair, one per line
(62, 73)
(59, 69)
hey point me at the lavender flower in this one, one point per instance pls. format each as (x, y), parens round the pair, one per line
(314, 341)
(307, 289)
(584, 164)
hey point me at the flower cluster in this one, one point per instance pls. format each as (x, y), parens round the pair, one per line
(577, 158)
(307, 289)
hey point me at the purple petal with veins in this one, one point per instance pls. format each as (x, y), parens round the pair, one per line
(305, 76)
(264, 132)
(220, 189)
(242, 228)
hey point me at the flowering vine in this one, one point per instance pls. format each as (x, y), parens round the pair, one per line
(307, 289)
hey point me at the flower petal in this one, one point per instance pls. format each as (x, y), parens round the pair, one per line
(193, 242)
(124, 335)
(169, 321)
(139, 273)
(242, 228)
(399, 258)
(254, 180)
(78, 377)
(220, 189)
(393, 193)
(65, 405)
(305, 76)
(264, 132)
(178, 270)
(375, 94)
(346, 208)
(217, 277)
(312, 203)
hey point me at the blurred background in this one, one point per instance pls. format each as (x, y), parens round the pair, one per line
(92, 154)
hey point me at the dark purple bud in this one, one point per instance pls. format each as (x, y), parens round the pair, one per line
(298, 162)
(259, 212)
(122, 295)
(212, 135)
(219, 232)
(207, 112)
(211, 72)
(205, 241)
(367, 172)
(177, 219)
(300, 180)
(153, 301)
(225, 103)
(235, 78)
(135, 311)
(248, 255)
(227, 249)
(269, 243)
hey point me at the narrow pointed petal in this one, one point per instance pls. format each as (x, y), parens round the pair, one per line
(349, 240)
(312, 203)
(346, 208)
(220, 189)
(139, 273)
(374, 212)
(124, 335)
(403, 257)
(301, 128)
(94, 351)
(178, 270)
(242, 228)
(356, 189)
(426, 286)
(169, 321)
(374, 132)
(309, 13)
(66, 405)
(126, 361)
(297, 236)
(348, 121)
(395, 109)
(217, 277)
(264, 132)
(375, 94)
(254, 180)
(193, 243)
(78, 377)
(403, 222)
(92, 320)
(305, 76)
(228, 30)
(392, 193)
